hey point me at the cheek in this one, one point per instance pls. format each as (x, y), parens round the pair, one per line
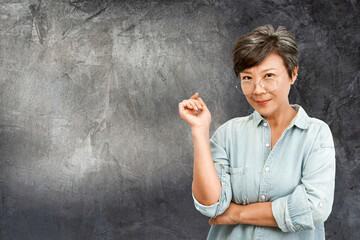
(284, 87)
(252, 103)
(249, 100)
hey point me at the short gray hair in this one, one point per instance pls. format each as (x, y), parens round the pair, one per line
(251, 49)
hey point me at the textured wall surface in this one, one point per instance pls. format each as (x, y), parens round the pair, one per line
(91, 142)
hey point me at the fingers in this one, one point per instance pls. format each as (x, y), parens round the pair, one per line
(194, 103)
(212, 221)
(188, 104)
(201, 102)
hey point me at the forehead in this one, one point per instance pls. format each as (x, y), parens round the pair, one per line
(273, 61)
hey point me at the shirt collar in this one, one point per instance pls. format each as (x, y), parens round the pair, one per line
(300, 120)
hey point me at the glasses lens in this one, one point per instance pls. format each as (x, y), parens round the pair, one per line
(247, 87)
(270, 84)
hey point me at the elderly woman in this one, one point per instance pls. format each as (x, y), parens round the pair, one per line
(269, 175)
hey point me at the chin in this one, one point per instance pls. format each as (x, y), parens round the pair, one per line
(263, 110)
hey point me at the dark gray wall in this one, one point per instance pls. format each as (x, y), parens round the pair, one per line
(91, 143)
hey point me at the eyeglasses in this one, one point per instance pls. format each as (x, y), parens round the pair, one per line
(247, 87)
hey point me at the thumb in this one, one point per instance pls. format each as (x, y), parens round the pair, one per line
(195, 96)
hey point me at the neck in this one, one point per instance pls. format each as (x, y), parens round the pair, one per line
(281, 118)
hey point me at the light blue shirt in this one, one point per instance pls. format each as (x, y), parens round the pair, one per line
(297, 176)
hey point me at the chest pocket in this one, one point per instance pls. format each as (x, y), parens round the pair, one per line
(238, 179)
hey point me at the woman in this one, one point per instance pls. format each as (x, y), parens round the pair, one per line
(269, 175)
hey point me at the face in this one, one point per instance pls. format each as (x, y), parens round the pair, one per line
(270, 104)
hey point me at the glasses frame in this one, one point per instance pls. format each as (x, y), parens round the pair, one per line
(258, 82)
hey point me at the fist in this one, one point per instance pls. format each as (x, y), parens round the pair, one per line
(188, 110)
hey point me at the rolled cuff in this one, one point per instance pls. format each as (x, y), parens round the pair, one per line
(292, 212)
(206, 210)
(225, 197)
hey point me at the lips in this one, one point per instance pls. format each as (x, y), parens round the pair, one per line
(262, 102)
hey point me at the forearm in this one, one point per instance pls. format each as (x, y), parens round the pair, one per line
(206, 185)
(259, 214)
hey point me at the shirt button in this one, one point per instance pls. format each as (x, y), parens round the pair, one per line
(267, 145)
(265, 124)
(267, 169)
(321, 204)
(263, 197)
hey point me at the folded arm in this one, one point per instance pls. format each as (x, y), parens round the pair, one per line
(307, 206)
(211, 186)
(206, 185)
(310, 204)
(254, 214)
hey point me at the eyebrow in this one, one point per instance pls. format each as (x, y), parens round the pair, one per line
(265, 70)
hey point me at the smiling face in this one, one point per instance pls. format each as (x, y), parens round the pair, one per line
(276, 102)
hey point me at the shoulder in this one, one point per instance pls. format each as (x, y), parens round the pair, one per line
(231, 125)
(321, 131)
(234, 122)
(318, 125)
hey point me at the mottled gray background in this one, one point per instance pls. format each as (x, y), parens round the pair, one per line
(91, 142)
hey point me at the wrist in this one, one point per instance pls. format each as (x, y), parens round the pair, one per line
(200, 132)
(239, 214)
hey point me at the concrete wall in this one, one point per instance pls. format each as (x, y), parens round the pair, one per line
(91, 143)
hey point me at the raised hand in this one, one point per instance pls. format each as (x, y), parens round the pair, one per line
(188, 110)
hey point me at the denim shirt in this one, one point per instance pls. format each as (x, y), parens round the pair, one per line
(297, 176)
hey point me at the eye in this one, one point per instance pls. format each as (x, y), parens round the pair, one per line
(269, 75)
(246, 78)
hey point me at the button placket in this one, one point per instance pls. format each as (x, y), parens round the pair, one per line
(267, 152)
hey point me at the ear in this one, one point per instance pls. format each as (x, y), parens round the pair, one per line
(294, 75)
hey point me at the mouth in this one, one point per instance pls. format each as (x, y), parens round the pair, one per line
(262, 102)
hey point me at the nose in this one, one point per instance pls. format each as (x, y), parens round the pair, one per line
(259, 89)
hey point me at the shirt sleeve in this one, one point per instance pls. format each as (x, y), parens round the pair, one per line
(221, 162)
(310, 204)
